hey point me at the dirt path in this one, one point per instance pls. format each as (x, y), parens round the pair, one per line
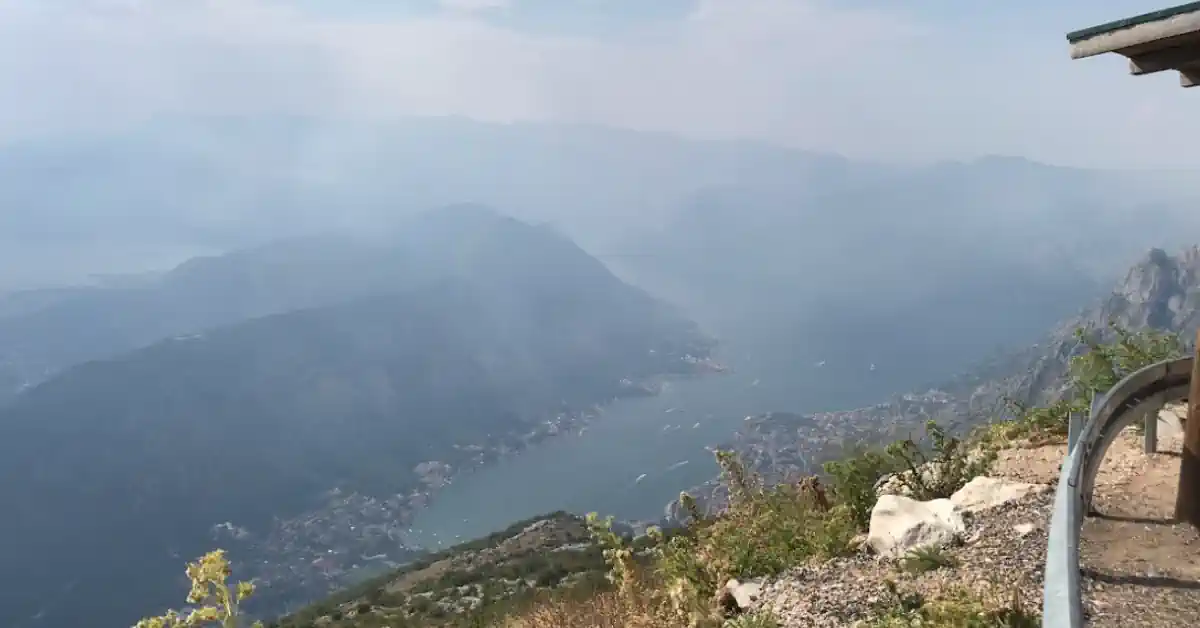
(1139, 567)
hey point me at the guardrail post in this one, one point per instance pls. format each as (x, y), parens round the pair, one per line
(1187, 501)
(1150, 432)
(1075, 423)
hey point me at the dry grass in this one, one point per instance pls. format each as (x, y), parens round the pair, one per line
(956, 609)
(607, 609)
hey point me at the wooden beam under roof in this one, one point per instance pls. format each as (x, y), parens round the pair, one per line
(1173, 58)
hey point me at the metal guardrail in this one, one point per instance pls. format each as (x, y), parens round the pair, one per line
(1139, 396)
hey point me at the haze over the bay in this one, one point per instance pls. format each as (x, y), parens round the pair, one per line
(327, 283)
(921, 80)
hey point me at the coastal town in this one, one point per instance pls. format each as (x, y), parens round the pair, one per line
(348, 535)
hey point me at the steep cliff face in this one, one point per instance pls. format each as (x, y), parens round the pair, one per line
(1161, 292)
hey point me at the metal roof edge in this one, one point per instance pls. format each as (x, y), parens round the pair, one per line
(1129, 22)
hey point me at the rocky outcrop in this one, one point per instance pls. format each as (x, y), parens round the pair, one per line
(1160, 292)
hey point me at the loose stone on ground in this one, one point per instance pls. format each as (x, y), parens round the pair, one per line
(998, 553)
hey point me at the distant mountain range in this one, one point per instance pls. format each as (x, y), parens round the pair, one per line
(788, 255)
(42, 331)
(930, 267)
(300, 381)
(182, 186)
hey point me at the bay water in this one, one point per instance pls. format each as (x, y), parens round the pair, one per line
(663, 438)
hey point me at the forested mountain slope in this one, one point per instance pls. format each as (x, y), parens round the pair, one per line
(115, 468)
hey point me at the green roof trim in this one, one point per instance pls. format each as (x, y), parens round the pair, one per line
(1129, 22)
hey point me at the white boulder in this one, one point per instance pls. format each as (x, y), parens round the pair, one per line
(1171, 420)
(985, 493)
(901, 524)
(744, 593)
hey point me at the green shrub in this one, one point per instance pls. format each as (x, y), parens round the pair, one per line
(925, 559)
(762, 532)
(854, 478)
(753, 620)
(947, 468)
(1105, 364)
(1095, 371)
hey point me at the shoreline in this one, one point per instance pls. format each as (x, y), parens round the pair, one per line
(351, 536)
(564, 425)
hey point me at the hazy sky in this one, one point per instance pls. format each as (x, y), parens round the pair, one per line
(869, 78)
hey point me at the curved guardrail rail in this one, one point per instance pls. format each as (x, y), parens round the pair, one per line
(1140, 395)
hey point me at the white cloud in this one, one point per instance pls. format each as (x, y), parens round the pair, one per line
(868, 82)
(473, 6)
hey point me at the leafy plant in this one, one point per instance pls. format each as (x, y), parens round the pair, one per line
(616, 552)
(753, 620)
(854, 479)
(925, 559)
(218, 604)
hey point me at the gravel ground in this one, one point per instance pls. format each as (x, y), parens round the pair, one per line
(1003, 553)
(1140, 568)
